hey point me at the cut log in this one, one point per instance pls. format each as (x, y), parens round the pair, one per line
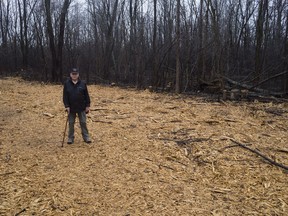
(249, 87)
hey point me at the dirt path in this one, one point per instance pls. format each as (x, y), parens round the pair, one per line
(152, 154)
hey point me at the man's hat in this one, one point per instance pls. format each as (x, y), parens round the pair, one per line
(74, 70)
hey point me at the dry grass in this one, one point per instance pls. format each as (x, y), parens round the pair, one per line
(152, 154)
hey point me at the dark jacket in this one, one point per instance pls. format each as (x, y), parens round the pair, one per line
(76, 96)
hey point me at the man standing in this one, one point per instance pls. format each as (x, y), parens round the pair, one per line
(76, 100)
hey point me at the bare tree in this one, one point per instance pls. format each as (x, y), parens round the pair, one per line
(40, 37)
(25, 9)
(4, 21)
(262, 12)
(56, 51)
(4, 28)
(178, 86)
(111, 14)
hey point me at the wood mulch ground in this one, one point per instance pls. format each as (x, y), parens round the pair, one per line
(152, 154)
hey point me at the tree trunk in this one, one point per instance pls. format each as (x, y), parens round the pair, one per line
(286, 54)
(200, 59)
(56, 70)
(205, 41)
(133, 39)
(178, 86)
(155, 54)
(59, 61)
(4, 26)
(23, 32)
(39, 38)
(259, 40)
(51, 40)
(109, 42)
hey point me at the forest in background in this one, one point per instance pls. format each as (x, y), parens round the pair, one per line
(178, 44)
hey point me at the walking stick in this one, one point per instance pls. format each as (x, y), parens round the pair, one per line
(65, 130)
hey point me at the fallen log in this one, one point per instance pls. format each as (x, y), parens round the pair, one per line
(249, 87)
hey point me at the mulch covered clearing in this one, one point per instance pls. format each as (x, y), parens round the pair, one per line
(152, 154)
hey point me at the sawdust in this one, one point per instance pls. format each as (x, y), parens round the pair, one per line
(152, 154)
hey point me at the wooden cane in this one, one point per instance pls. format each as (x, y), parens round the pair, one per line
(65, 130)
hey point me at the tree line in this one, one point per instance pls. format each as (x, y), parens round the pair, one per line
(143, 43)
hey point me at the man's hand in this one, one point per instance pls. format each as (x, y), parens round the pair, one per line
(68, 110)
(87, 110)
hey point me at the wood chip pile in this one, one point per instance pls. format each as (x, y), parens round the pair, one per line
(152, 154)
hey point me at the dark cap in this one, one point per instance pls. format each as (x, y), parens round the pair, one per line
(74, 70)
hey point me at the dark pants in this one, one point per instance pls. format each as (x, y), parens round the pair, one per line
(83, 124)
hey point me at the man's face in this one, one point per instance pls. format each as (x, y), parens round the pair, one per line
(74, 76)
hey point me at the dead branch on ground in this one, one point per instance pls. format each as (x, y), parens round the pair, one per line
(261, 155)
(187, 141)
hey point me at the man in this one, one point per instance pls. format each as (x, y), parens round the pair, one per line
(76, 100)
